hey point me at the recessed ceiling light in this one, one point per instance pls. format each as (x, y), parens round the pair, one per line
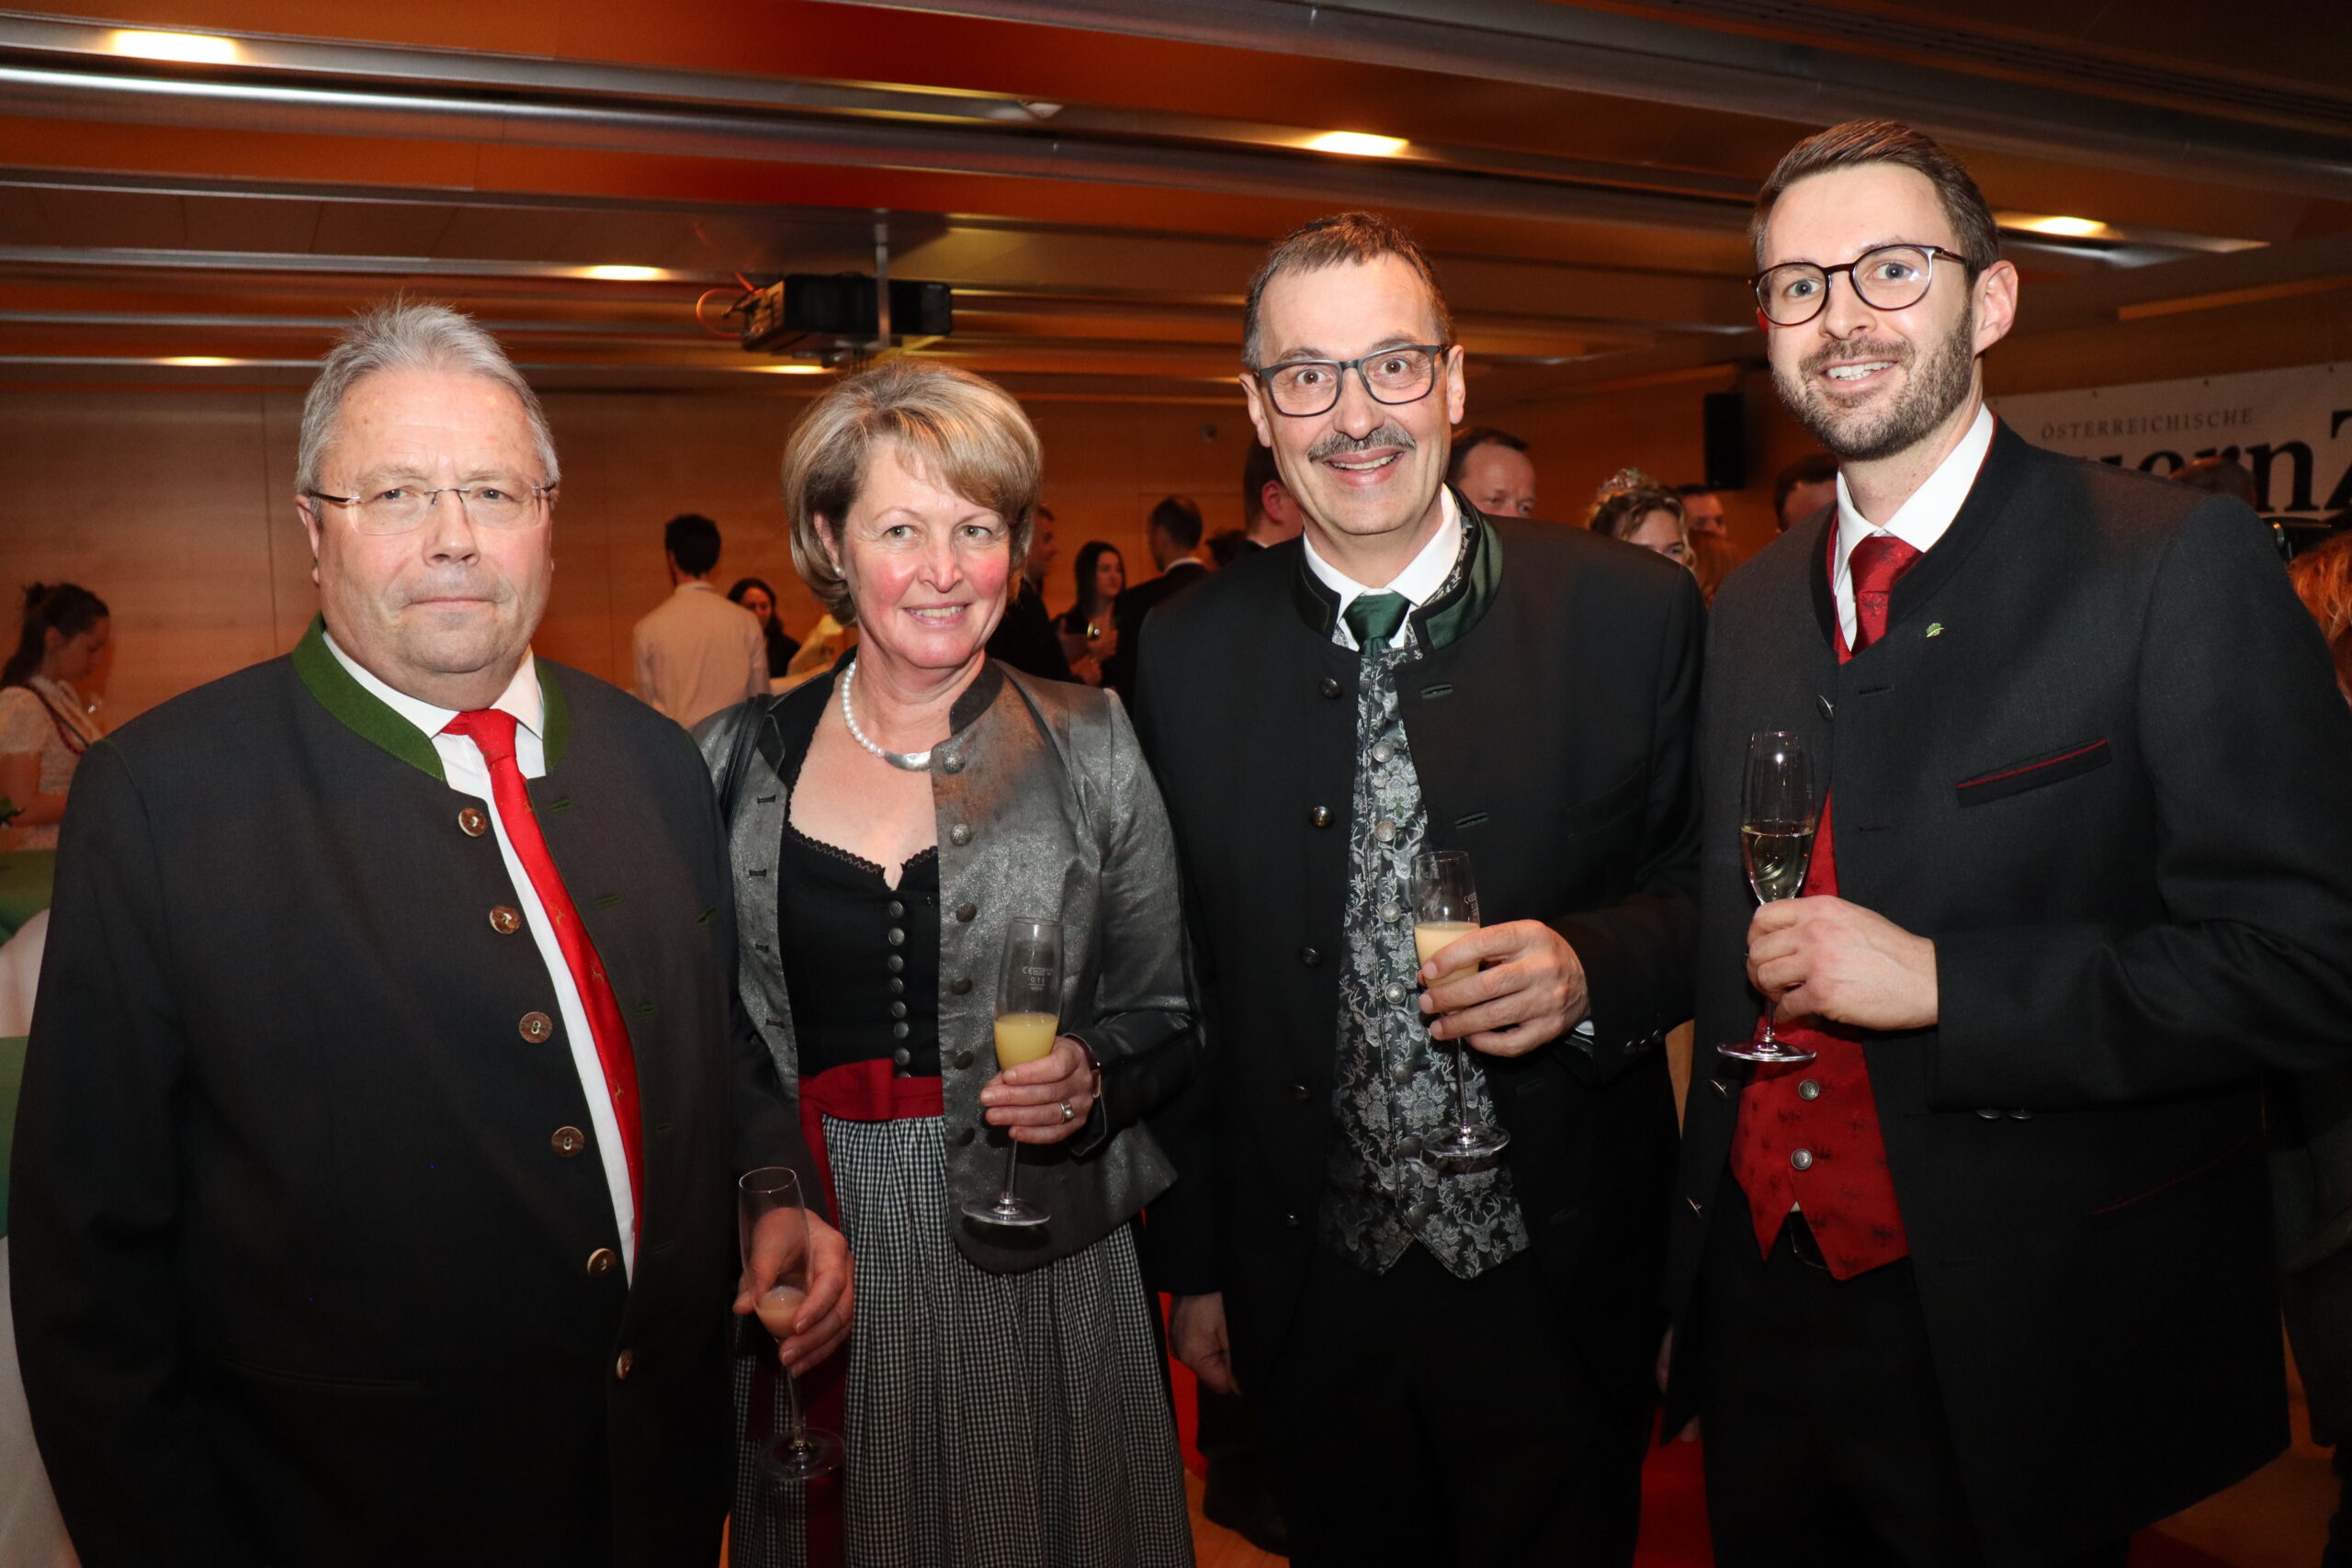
(623, 274)
(800, 369)
(194, 48)
(1358, 144)
(198, 359)
(2066, 228)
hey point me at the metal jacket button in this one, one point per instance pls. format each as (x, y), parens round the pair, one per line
(624, 1364)
(473, 823)
(1290, 1221)
(897, 1010)
(897, 963)
(901, 1056)
(1808, 1089)
(1385, 831)
(965, 912)
(897, 986)
(1309, 957)
(1298, 1091)
(900, 1032)
(960, 986)
(953, 762)
(897, 910)
(603, 1261)
(535, 1027)
(960, 834)
(1802, 1159)
(504, 920)
(567, 1141)
(963, 1058)
(895, 936)
(1328, 686)
(1320, 816)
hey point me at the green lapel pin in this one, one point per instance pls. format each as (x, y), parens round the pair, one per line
(1935, 629)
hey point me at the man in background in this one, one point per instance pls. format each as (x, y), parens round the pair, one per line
(1492, 468)
(1805, 489)
(1174, 538)
(2222, 474)
(374, 1178)
(697, 653)
(1270, 510)
(1026, 638)
(1702, 509)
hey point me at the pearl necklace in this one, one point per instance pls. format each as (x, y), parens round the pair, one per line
(912, 761)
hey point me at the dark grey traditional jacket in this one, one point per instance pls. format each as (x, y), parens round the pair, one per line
(1046, 810)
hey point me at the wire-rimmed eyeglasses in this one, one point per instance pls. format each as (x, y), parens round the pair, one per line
(1892, 277)
(1304, 387)
(397, 509)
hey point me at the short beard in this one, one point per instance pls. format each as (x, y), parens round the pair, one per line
(1937, 387)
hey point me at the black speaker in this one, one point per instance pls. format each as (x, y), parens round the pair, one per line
(843, 306)
(1723, 423)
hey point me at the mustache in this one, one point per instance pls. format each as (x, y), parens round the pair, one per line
(1820, 359)
(1339, 444)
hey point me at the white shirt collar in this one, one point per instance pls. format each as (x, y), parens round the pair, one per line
(692, 583)
(522, 698)
(1418, 583)
(1921, 520)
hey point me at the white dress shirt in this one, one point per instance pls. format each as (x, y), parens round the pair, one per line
(463, 765)
(697, 652)
(1418, 583)
(1920, 521)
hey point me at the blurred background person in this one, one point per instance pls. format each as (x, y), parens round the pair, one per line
(1089, 635)
(756, 595)
(1702, 510)
(2322, 579)
(1637, 509)
(1026, 638)
(1006, 1400)
(1805, 489)
(1711, 561)
(1270, 511)
(1493, 470)
(2219, 475)
(46, 723)
(1174, 535)
(695, 653)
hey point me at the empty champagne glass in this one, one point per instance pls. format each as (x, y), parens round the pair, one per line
(772, 1227)
(1778, 812)
(1445, 909)
(1028, 1016)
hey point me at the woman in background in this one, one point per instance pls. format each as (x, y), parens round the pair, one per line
(1088, 636)
(1637, 509)
(45, 722)
(760, 599)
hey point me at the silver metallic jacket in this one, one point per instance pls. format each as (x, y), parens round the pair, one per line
(1044, 810)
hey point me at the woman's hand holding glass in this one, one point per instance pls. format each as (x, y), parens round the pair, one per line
(775, 1248)
(1029, 1099)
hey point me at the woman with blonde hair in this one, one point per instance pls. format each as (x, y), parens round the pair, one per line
(2323, 579)
(1004, 1401)
(1637, 509)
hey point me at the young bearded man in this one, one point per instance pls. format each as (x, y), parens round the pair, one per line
(1988, 1279)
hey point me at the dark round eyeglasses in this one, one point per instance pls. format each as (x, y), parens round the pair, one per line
(1892, 277)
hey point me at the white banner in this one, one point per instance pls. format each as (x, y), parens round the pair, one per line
(2293, 428)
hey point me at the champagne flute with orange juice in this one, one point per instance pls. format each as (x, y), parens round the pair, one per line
(772, 1225)
(1028, 1016)
(1445, 909)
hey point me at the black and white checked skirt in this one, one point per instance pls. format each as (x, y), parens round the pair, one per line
(992, 1420)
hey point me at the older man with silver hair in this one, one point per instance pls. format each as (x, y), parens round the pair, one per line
(372, 1183)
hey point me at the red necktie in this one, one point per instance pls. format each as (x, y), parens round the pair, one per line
(494, 731)
(1876, 563)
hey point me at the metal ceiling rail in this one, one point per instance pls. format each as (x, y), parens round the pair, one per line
(1573, 49)
(135, 97)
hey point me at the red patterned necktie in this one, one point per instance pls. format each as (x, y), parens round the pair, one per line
(1877, 562)
(494, 731)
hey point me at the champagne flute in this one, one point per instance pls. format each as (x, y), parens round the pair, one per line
(772, 1227)
(1028, 1016)
(1778, 812)
(1445, 909)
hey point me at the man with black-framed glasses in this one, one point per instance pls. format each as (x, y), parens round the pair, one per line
(1450, 1360)
(1978, 1271)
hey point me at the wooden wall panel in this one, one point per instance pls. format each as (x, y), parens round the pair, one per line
(175, 507)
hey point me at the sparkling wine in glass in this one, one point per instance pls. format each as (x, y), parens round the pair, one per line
(1028, 1016)
(1445, 909)
(1779, 811)
(772, 1227)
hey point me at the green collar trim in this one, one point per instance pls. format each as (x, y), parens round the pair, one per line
(360, 710)
(366, 715)
(1449, 618)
